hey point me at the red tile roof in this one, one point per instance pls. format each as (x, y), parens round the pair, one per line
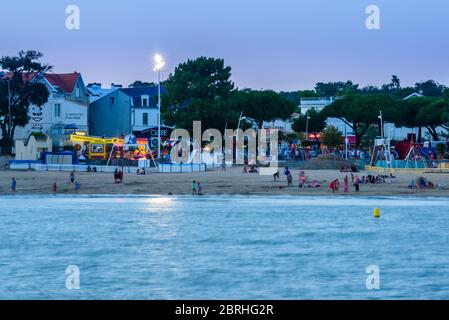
(65, 81)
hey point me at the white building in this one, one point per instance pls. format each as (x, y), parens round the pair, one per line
(390, 130)
(65, 112)
(318, 104)
(282, 125)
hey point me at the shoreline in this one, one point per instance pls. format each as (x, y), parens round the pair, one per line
(231, 182)
(237, 196)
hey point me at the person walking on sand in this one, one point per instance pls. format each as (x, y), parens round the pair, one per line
(116, 176)
(290, 180)
(302, 179)
(200, 189)
(276, 176)
(193, 187)
(72, 176)
(356, 183)
(346, 184)
(13, 184)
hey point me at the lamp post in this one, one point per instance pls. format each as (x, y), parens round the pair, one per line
(346, 143)
(307, 126)
(238, 130)
(9, 110)
(159, 64)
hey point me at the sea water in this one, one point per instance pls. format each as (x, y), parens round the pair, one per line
(222, 247)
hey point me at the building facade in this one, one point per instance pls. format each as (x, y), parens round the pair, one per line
(65, 112)
(124, 111)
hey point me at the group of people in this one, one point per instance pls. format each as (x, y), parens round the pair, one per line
(421, 184)
(118, 176)
(91, 169)
(252, 168)
(197, 188)
(334, 185)
(351, 168)
(302, 179)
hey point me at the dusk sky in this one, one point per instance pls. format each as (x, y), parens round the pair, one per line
(270, 44)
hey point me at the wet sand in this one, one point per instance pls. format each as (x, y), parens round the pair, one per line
(231, 182)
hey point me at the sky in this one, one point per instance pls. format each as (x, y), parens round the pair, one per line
(270, 44)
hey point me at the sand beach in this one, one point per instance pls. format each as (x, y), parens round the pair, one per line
(230, 182)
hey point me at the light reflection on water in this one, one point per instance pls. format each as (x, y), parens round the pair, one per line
(150, 247)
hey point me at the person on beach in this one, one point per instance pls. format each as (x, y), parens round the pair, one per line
(356, 183)
(72, 176)
(120, 176)
(276, 176)
(13, 184)
(346, 184)
(193, 187)
(286, 171)
(421, 183)
(116, 176)
(302, 179)
(200, 189)
(253, 168)
(334, 185)
(290, 179)
(315, 184)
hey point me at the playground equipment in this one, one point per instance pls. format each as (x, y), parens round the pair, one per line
(97, 148)
(381, 151)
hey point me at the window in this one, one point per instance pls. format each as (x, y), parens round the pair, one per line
(145, 101)
(77, 92)
(57, 110)
(111, 101)
(145, 119)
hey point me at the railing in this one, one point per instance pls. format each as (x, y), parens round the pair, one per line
(163, 168)
(415, 164)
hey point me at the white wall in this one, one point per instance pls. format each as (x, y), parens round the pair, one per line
(138, 118)
(71, 113)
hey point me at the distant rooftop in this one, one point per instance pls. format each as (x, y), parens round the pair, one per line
(64, 81)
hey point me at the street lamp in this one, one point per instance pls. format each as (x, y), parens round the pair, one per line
(346, 143)
(159, 64)
(307, 127)
(238, 130)
(9, 110)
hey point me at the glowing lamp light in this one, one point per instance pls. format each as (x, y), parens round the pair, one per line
(159, 62)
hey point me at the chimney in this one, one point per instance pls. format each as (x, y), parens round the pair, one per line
(94, 85)
(116, 86)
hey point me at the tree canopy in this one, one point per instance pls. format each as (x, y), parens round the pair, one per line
(430, 88)
(332, 89)
(142, 84)
(315, 125)
(332, 137)
(359, 111)
(260, 106)
(24, 92)
(201, 90)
